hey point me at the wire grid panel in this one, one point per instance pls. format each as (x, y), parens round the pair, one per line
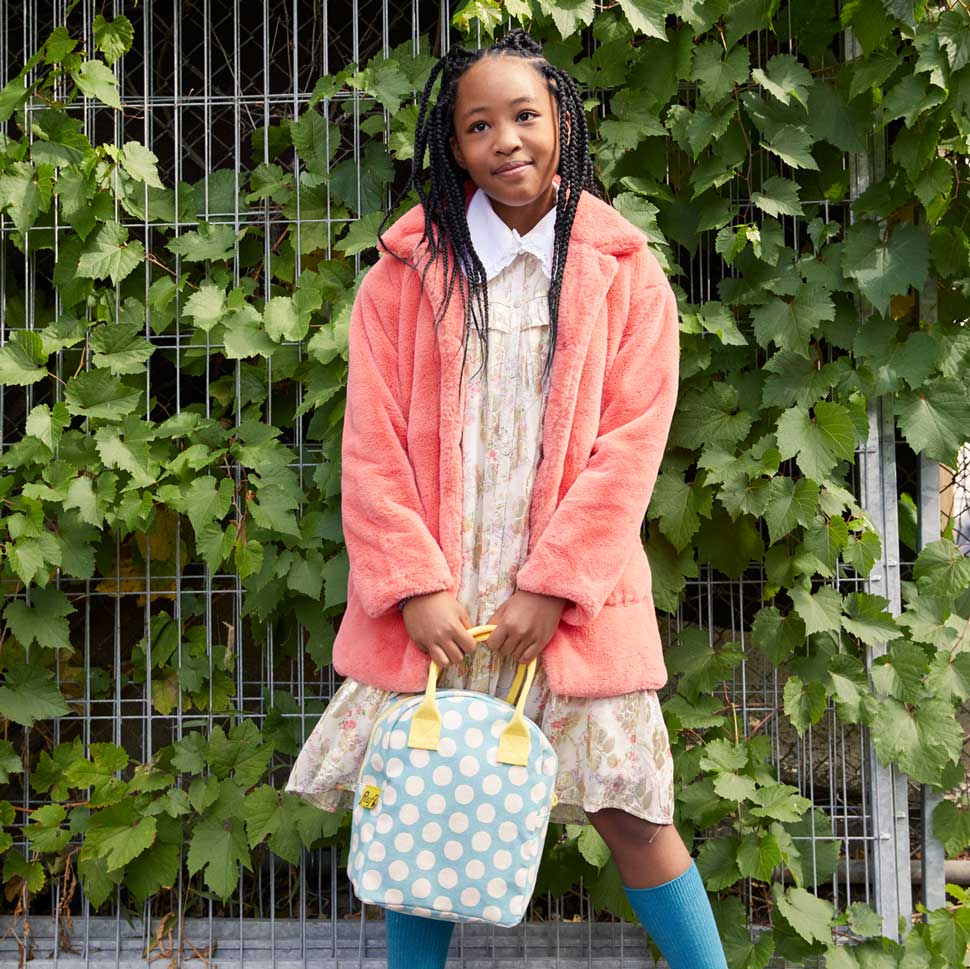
(202, 77)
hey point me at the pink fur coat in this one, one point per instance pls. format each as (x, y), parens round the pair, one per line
(612, 396)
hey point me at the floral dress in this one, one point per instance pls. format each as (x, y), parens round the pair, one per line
(613, 751)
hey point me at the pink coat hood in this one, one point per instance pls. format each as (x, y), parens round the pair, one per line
(611, 400)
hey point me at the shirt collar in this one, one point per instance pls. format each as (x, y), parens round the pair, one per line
(497, 245)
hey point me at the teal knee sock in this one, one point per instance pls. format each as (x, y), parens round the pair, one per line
(414, 942)
(677, 915)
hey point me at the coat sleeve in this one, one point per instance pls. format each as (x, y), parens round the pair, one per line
(391, 550)
(583, 550)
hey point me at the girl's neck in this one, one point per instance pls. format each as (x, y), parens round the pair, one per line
(524, 218)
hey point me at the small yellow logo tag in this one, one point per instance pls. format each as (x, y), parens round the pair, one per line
(370, 797)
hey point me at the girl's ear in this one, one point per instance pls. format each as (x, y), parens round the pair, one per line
(456, 151)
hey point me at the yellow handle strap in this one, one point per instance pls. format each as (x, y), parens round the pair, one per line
(514, 743)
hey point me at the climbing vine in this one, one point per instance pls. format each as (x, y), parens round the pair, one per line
(822, 299)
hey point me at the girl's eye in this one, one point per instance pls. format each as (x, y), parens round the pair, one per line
(474, 127)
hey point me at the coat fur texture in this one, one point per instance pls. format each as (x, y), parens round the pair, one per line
(611, 401)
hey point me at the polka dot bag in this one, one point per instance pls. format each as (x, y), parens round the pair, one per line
(452, 804)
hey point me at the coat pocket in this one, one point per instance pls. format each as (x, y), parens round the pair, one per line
(636, 582)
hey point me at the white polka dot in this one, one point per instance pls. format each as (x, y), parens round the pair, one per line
(359, 860)
(420, 758)
(464, 794)
(497, 887)
(371, 880)
(532, 821)
(481, 841)
(485, 813)
(447, 747)
(353, 843)
(377, 762)
(453, 850)
(376, 851)
(384, 824)
(431, 832)
(477, 710)
(517, 904)
(425, 860)
(491, 757)
(451, 720)
(436, 804)
(394, 767)
(368, 780)
(421, 912)
(398, 739)
(492, 784)
(475, 868)
(398, 870)
(513, 804)
(492, 912)
(458, 822)
(414, 786)
(549, 767)
(394, 896)
(521, 876)
(366, 833)
(409, 814)
(442, 903)
(496, 729)
(502, 859)
(508, 831)
(404, 842)
(469, 766)
(518, 775)
(421, 888)
(447, 878)
(538, 792)
(527, 851)
(474, 738)
(470, 896)
(388, 796)
(442, 776)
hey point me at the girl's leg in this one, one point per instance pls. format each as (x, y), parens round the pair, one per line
(414, 942)
(664, 888)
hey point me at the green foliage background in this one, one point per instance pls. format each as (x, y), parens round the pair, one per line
(728, 155)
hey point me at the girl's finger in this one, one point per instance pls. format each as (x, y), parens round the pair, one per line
(439, 656)
(453, 650)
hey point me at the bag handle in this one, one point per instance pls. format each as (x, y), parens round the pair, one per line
(514, 743)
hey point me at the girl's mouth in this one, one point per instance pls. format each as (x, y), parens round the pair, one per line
(505, 172)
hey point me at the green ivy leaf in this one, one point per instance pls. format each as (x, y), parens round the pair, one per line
(934, 418)
(113, 37)
(951, 824)
(717, 861)
(884, 269)
(42, 621)
(141, 164)
(784, 78)
(941, 568)
(819, 440)
(96, 80)
(758, 855)
(23, 360)
(820, 611)
(121, 347)
(809, 916)
(218, 847)
(30, 694)
(96, 393)
(790, 504)
(10, 762)
(780, 802)
(804, 703)
(775, 635)
(109, 253)
(790, 325)
(21, 196)
(779, 196)
(648, 17)
(210, 242)
(718, 76)
(867, 618)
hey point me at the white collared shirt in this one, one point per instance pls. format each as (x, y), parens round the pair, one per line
(497, 245)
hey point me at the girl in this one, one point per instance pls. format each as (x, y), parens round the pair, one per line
(499, 451)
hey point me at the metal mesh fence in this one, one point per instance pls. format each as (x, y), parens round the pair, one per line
(202, 82)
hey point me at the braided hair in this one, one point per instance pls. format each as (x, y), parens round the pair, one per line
(445, 225)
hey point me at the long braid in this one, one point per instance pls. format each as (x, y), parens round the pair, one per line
(446, 232)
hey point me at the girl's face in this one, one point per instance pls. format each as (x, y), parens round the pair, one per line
(506, 124)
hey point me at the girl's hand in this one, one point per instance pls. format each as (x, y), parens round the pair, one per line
(525, 623)
(438, 625)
